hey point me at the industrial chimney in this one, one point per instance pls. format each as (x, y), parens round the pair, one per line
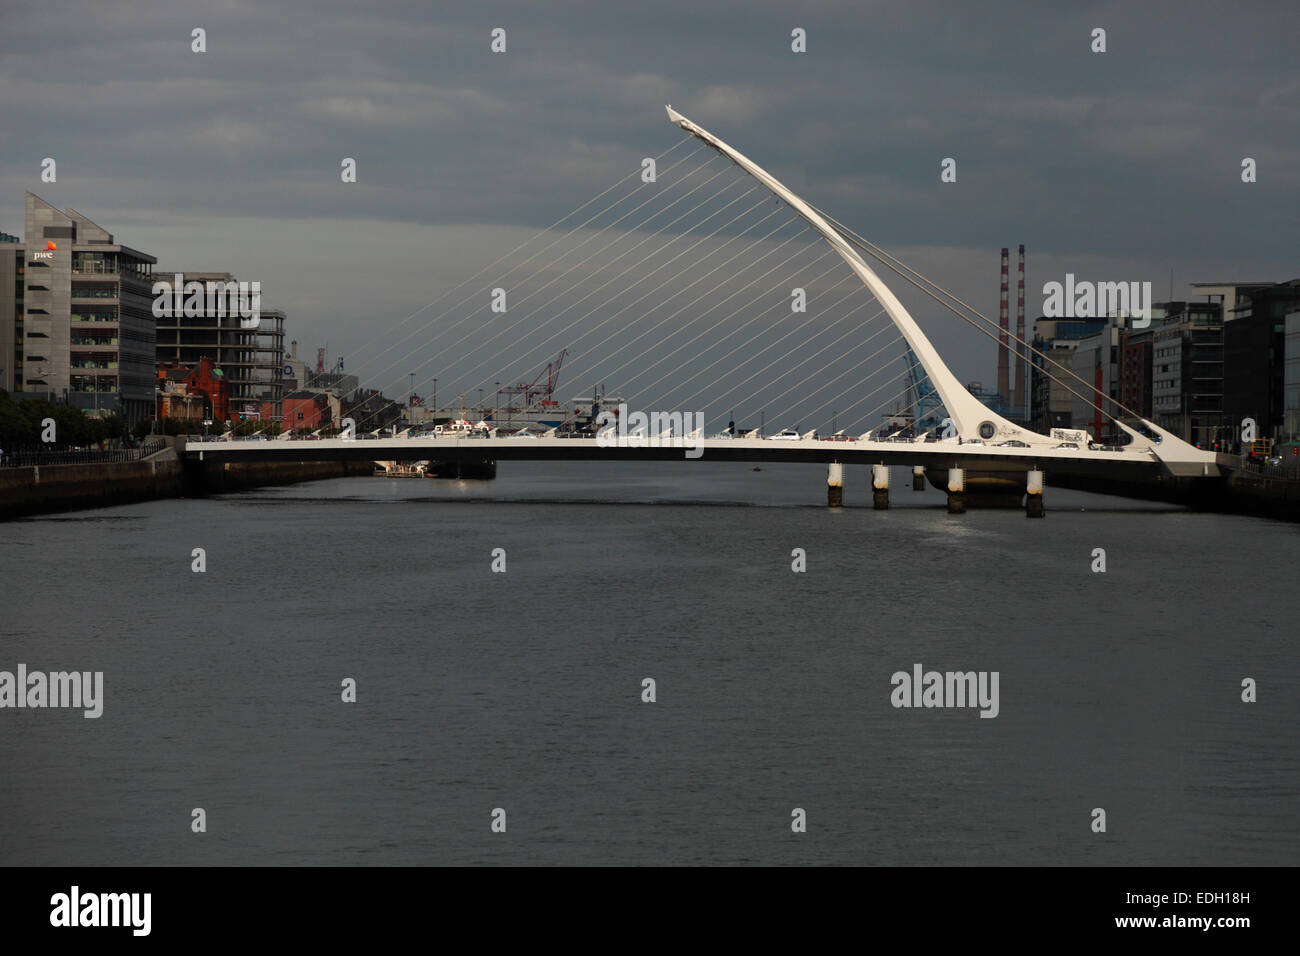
(1003, 355)
(1019, 405)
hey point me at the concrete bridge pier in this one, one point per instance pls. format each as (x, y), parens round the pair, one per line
(1034, 494)
(880, 487)
(918, 477)
(835, 485)
(956, 491)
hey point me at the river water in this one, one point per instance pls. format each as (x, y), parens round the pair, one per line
(522, 690)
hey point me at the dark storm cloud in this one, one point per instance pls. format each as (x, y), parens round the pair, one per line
(1126, 162)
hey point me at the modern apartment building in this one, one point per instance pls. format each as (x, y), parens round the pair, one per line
(1254, 353)
(1187, 371)
(76, 320)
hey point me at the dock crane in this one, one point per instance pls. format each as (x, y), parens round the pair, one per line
(535, 391)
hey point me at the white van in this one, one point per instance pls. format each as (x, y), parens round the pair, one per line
(457, 429)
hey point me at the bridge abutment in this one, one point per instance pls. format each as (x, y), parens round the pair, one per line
(956, 491)
(918, 477)
(1034, 494)
(880, 487)
(835, 485)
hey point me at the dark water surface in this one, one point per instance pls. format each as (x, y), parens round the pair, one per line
(522, 690)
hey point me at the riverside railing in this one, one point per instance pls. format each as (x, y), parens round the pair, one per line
(27, 456)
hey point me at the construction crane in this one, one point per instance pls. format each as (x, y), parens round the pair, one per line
(537, 392)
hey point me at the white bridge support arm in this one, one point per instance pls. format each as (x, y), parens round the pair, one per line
(968, 414)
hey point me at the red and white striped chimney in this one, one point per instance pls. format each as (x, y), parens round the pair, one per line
(1019, 405)
(1003, 355)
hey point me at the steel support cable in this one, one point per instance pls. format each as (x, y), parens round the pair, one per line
(884, 404)
(772, 345)
(766, 348)
(740, 308)
(645, 277)
(426, 362)
(847, 332)
(666, 245)
(836, 377)
(740, 328)
(395, 343)
(591, 238)
(601, 268)
(697, 299)
(648, 259)
(884, 384)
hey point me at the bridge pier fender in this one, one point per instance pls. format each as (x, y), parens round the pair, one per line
(1034, 493)
(918, 477)
(956, 491)
(880, 487)
(835, 485)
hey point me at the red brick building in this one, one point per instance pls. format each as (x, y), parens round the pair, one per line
(175, 380)
(308, 410)
(1135, 374)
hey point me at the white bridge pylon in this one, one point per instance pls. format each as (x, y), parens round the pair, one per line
(969, 416)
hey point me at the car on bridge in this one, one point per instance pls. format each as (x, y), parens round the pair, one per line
(1014, 443)
(785, 434)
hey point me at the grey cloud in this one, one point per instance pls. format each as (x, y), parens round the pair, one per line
(1124, 162)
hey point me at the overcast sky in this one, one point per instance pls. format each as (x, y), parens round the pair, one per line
(1117, 166)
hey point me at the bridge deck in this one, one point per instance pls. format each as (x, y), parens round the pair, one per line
(928, 454)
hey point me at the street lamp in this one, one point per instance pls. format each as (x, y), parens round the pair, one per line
(496, 413)
(435, 399)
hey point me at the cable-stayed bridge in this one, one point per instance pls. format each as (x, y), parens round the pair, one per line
(711, 287)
